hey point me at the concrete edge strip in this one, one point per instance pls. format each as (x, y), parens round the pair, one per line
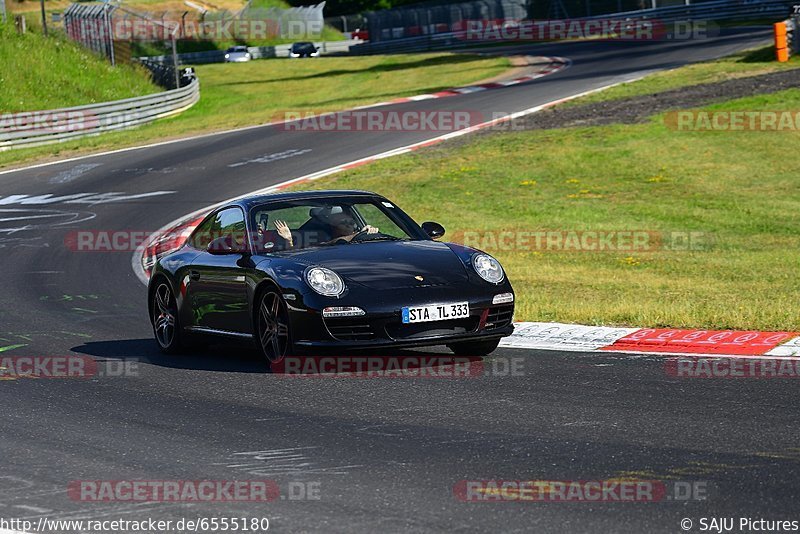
(658, 341)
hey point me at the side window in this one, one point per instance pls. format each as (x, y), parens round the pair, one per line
(229, 221)
(202, 234)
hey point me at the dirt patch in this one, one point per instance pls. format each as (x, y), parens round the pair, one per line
(639, 108)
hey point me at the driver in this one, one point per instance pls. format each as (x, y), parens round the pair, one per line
(342, 227)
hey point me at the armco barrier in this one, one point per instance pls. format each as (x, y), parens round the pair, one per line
(257, 52)
(29, 129)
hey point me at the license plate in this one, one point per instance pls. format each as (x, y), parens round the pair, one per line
(435, 312)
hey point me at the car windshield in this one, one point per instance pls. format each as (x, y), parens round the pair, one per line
(238, 49)
(304, 224)
(303, 47)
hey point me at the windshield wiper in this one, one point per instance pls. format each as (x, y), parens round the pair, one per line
(383, 237)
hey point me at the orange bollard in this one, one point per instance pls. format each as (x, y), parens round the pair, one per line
(781, 44)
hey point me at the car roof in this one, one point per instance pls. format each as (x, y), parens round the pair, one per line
(249, 202)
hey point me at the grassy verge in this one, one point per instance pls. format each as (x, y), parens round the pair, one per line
(38, 73)
(742, 64)
(736, 190)
(243, 94)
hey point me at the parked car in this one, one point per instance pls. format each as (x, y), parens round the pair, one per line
(304, 49)
(237, 54)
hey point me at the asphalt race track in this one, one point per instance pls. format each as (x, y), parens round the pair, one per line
(382, 454)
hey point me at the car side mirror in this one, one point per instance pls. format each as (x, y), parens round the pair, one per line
(433, 229)
(222, 246)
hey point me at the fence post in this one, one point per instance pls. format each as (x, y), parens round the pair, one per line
(44, 18)
(19, 22)
(175, 59)
(110, 34)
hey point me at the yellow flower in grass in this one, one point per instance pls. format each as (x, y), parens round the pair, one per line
(528, 182)
(630, 260)
(585, 193)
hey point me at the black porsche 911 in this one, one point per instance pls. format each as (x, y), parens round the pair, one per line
(328, 270)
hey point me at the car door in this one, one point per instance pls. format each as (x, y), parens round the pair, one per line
(217, 278)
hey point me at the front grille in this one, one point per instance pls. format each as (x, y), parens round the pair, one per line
(432, 329)
(499, 317)
(349, 328)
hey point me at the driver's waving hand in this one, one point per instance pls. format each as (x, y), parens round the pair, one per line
(343, 228)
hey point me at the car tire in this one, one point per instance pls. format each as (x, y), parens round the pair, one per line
(273, 336)
(166, 324)
(474, 348)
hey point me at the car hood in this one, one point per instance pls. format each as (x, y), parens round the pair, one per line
(390, 264)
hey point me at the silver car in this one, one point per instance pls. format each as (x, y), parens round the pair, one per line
(237, 54)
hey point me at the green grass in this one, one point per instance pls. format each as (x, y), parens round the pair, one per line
(747, 63)
(736, 188)
(38, 73)
(257, 92)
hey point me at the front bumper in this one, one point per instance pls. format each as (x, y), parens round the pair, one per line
(382, 326)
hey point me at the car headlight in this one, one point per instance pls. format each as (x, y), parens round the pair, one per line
(324, 281)
(488, 268)
(227, 56)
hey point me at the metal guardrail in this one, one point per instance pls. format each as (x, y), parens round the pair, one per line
(257, 52)
(35, 128)
(435, 41)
